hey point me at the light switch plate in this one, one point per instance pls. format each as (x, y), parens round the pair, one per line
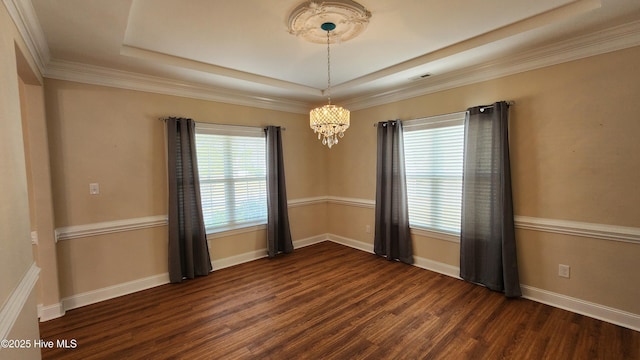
(564, 270)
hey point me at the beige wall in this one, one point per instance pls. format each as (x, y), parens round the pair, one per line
(25, 328)
(15, 242)
(15, 257)
(114, 137)
(575, 156)
(39, 186)
(573, 149)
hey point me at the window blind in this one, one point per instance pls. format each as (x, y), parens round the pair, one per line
(433, 160)
(232, 170)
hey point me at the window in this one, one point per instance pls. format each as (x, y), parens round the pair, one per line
(233, 181)
(433, 160)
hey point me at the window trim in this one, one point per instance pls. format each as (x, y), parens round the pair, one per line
(229, 130)
(433, 122)
(239, 131)
(435, 234)
(436, 121)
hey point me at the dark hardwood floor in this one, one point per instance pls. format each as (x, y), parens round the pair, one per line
(328, 301)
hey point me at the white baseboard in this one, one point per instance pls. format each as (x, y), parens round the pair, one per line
(420, 262)
(50, 312)
(91, 297)
(356, 244)
(436, 266)
(258, 254)
(110, 292)
(238, 259)
(310, 241)
(579, 306)
(596, 311)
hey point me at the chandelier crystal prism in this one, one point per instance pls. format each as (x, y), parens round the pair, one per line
(329, 121)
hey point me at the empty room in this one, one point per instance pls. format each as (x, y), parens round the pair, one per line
(293, 179)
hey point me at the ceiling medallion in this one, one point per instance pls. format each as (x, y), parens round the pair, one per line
(350, 18)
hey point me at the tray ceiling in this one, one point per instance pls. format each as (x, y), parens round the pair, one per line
(244, 47)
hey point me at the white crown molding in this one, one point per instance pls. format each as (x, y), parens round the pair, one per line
(23, 14)
(157, 57)
(97, 75)
(577, 228)
(25, 19)
(605, 41)
(109, 227)
(553, 15)
(16, 301)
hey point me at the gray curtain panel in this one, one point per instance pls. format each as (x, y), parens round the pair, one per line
(487, 239)
(392, 238)
(188, 248)
(278, 230)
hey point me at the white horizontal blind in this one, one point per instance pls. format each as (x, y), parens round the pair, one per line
(232, 169)
(433, 159)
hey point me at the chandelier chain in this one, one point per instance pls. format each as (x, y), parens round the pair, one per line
(328, 67)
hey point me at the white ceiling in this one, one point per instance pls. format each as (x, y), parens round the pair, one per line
(243, 47)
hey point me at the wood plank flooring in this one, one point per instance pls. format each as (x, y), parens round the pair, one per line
(328, 301)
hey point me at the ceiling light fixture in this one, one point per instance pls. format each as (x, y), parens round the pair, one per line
(339, 21)
(329, 121)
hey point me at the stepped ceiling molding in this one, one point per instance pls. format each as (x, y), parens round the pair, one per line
(247, 52)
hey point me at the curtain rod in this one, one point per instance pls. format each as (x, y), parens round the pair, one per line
(199, 122)
(509, 102)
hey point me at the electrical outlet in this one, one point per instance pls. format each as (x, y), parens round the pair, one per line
(94, 188)
(564, 271)
(367, 229)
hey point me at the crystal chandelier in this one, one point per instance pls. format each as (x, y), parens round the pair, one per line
(329, 121)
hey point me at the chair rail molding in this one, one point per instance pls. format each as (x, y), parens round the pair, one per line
(578, 228)
(109, 227)
(18, 298)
